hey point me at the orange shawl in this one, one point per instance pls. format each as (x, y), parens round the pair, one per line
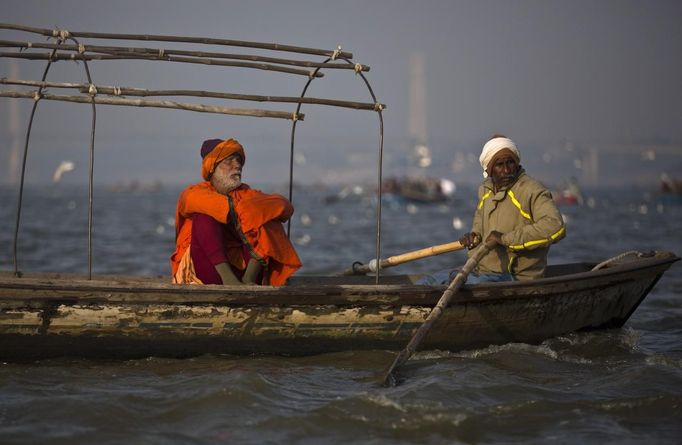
(259, 217)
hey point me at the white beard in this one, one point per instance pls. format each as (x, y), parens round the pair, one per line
(225, 183)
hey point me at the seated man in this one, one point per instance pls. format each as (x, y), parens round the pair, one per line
(516, 213)
(227, 232)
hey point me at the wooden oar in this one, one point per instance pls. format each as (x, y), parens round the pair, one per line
(436, 312)
(359, 269)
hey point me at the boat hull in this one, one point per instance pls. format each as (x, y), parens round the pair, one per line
(45, 317)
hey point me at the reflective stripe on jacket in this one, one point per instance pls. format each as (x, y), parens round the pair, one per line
(528, 219)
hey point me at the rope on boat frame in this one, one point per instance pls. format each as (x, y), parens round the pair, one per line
(617, 258)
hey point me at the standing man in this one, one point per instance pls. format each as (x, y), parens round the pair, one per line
(516, 213)
(228, 233)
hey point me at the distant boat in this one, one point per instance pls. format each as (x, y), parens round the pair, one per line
(670, 185)
(349, 192)
(569, 194)
(423, 189)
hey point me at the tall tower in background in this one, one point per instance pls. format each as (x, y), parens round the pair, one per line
(590, 164)
(420, 155)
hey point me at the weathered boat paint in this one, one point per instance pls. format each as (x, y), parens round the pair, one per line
(47, 316)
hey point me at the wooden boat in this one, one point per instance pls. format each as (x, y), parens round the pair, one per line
(51, 315)
(55, 315)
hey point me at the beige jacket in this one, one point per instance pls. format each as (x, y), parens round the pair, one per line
(528, 219)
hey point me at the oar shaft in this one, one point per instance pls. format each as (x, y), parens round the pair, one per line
(434, 315)
(359, 269)
(421, 253)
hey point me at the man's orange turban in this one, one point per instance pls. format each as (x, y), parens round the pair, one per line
(214, 150)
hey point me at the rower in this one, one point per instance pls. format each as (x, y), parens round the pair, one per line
(515, 213)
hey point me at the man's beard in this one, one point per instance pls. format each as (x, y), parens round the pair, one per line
(505, 180)
(225, 183)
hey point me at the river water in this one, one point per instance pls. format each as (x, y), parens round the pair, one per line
(612, 386)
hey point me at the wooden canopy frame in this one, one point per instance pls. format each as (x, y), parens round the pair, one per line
(95, 94)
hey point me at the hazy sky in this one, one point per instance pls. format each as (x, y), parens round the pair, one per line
(590, 72)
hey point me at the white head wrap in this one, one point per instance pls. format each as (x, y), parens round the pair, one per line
(492, 147)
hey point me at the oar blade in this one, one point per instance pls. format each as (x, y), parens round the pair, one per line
(390, 380)
(391, 376)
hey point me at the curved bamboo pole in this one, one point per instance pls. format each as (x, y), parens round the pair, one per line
(380, 164)
(291, 147)
(379, 108)
(15, 241)
(91, 170)
(37, 97)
